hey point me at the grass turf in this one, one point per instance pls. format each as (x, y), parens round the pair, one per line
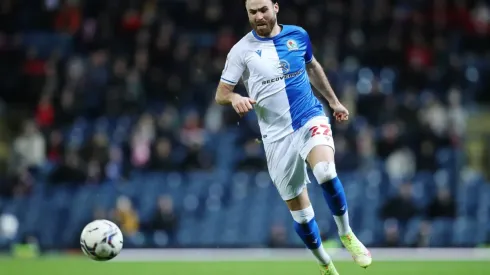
(69, 266)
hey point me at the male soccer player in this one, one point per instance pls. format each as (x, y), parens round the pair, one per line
(276, 65)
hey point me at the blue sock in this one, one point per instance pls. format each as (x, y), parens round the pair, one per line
(309, 233)
(333, 191)
(307, 229)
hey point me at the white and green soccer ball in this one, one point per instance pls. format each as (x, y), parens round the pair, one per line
(101, 240)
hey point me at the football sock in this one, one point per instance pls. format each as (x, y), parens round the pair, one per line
(307, 229)
(333, 191)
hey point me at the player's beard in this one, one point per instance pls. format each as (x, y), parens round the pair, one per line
(264, 28)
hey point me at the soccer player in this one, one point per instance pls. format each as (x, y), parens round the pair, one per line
(276, 64)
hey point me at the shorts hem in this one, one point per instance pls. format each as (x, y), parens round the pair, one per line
(296, 194)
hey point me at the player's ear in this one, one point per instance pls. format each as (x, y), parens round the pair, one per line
(276, 7)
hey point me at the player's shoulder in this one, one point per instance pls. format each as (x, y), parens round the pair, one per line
(242, 45)
(293, 29)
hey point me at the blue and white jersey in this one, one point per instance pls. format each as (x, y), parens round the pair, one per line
(273, 71)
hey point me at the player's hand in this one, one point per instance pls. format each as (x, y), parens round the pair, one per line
(242, 105)
(340, 112)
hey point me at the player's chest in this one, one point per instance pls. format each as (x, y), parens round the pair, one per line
(266, 62)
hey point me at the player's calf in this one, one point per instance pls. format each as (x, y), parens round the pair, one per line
(333, 191)
(307, 229)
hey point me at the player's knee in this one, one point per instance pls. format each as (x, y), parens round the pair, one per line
(303, 216)
(324, 171)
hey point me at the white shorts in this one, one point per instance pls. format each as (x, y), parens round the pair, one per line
(286, 158)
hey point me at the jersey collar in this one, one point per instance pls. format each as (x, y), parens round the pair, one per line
(268, 38)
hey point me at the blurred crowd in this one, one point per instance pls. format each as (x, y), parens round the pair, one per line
(408, 71)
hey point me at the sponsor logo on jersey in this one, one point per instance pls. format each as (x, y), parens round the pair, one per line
(283, 77)
(284, 66)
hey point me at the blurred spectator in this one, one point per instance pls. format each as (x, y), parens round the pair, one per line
(116, 168)
(126, 217)
(9, 225)
(67, 109)
(144, 133)
(55, 148)
(165, 218)
(390, 140)
(391, 233)
(29, 149)
(161, 156)
(17, 185)
(443, 205)
(253, 159)
(426, 159)
(366, 148)
(278, 236)
(96, 79)
(69, 17)
(401, 207)
(94, 171)
(97, 149)
(457, 118)
(400, 164)
(434, 115)
(214, 118)
(168, 123)
(192, 136)
(45, 112)
(71, 170)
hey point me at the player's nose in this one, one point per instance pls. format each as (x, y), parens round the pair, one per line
(259, 17)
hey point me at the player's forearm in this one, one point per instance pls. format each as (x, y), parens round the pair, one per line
(320, 81)
(224, 99)
(224, 94)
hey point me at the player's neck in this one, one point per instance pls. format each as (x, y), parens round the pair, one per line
(276, 30)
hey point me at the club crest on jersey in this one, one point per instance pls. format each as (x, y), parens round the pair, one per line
(292, 45)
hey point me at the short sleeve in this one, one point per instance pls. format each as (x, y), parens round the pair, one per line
(309, 50)
(234, 68)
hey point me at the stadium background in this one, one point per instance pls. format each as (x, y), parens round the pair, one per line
(107, 111)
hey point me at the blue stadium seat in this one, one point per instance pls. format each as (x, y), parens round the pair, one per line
(441, 234)
(219, 208)
(465, 232)
(467, 195)
(411, 232)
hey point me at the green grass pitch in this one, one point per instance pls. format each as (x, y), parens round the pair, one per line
(76, 266)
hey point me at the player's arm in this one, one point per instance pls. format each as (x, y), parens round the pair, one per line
(225, 94)
(320, 81)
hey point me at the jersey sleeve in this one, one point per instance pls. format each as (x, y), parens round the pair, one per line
(309, 50)
(234, 68)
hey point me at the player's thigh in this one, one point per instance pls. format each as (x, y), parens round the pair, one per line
(320, 153)
(286, 168)
(316, 137)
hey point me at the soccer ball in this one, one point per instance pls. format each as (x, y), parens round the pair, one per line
(101, 240)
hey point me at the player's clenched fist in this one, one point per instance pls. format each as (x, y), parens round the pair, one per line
(241, 104)
(339, 111)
